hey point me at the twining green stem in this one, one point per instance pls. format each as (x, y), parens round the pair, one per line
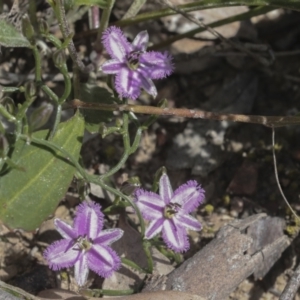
(126, 142)
(269, 121)
(244, 16)
(56, 121)
(104, 21)
(53, 39)
(9, 89)
(146, 247)
(136, 141)
(6, 114)
(38, 64)
(126, 138)
(68, 84)
(96, 180)
(54, 147)
(49, 93)
(133, 265)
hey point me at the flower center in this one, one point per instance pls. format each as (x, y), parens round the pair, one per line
(83, 243)
(133, 60)
(171, 210)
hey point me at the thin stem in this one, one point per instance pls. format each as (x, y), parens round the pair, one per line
(9, 89)
(277, 178)
(54, 147)
(49, 93)
(56, 122)
(104, 23)
(6, 114)
(121, 195)
(146, 247)
(126, 153)
(38, 64)
(253, 12)
(136, 141)
(133, 265)
(62, 21)
(269, 121)
(68, 84)
(215, 33)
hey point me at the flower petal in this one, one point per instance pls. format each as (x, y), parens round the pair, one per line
(188, 221)
(81, 270)
(89, 219)
(140, 42)
(156, 64)
(109, 236)
(61, 254)
(175, 236)
(65, 229)
(189, 195)
(165, 188)
(116, 43)
(103, 260)
(150, 204)
(111, 66)
(148, 86)
(128, 83)
(154, 228)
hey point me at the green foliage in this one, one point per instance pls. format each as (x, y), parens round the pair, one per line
(27, 198)
(10, 36)
(91, 93)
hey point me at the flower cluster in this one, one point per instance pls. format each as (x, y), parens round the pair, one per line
(169, 212)
(85, 245)
(133, 66)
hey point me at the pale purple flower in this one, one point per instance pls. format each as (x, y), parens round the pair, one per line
(169, 212)
(85, 245)
(133, 66)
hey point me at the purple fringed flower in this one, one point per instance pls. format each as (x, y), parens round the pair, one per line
(169, 212)
(133, 66)
(85, 245)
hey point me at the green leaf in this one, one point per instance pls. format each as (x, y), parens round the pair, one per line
(92, 93)
(101, 3)
(28, 198)
(10, 36)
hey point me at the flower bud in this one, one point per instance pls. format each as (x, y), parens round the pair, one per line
(163, 103)
(128, 187)
(43, 27)
(27, 30)
(4, 146)
(30, 89)
(9, 105)
(59, 58)
(40, 116)
(119, 123)
(102, 129)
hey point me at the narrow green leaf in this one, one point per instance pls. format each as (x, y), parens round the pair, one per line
(101, 3)
(206, 4)
(91, 93)
(134, 8)
(28, 198)
(10, 36)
